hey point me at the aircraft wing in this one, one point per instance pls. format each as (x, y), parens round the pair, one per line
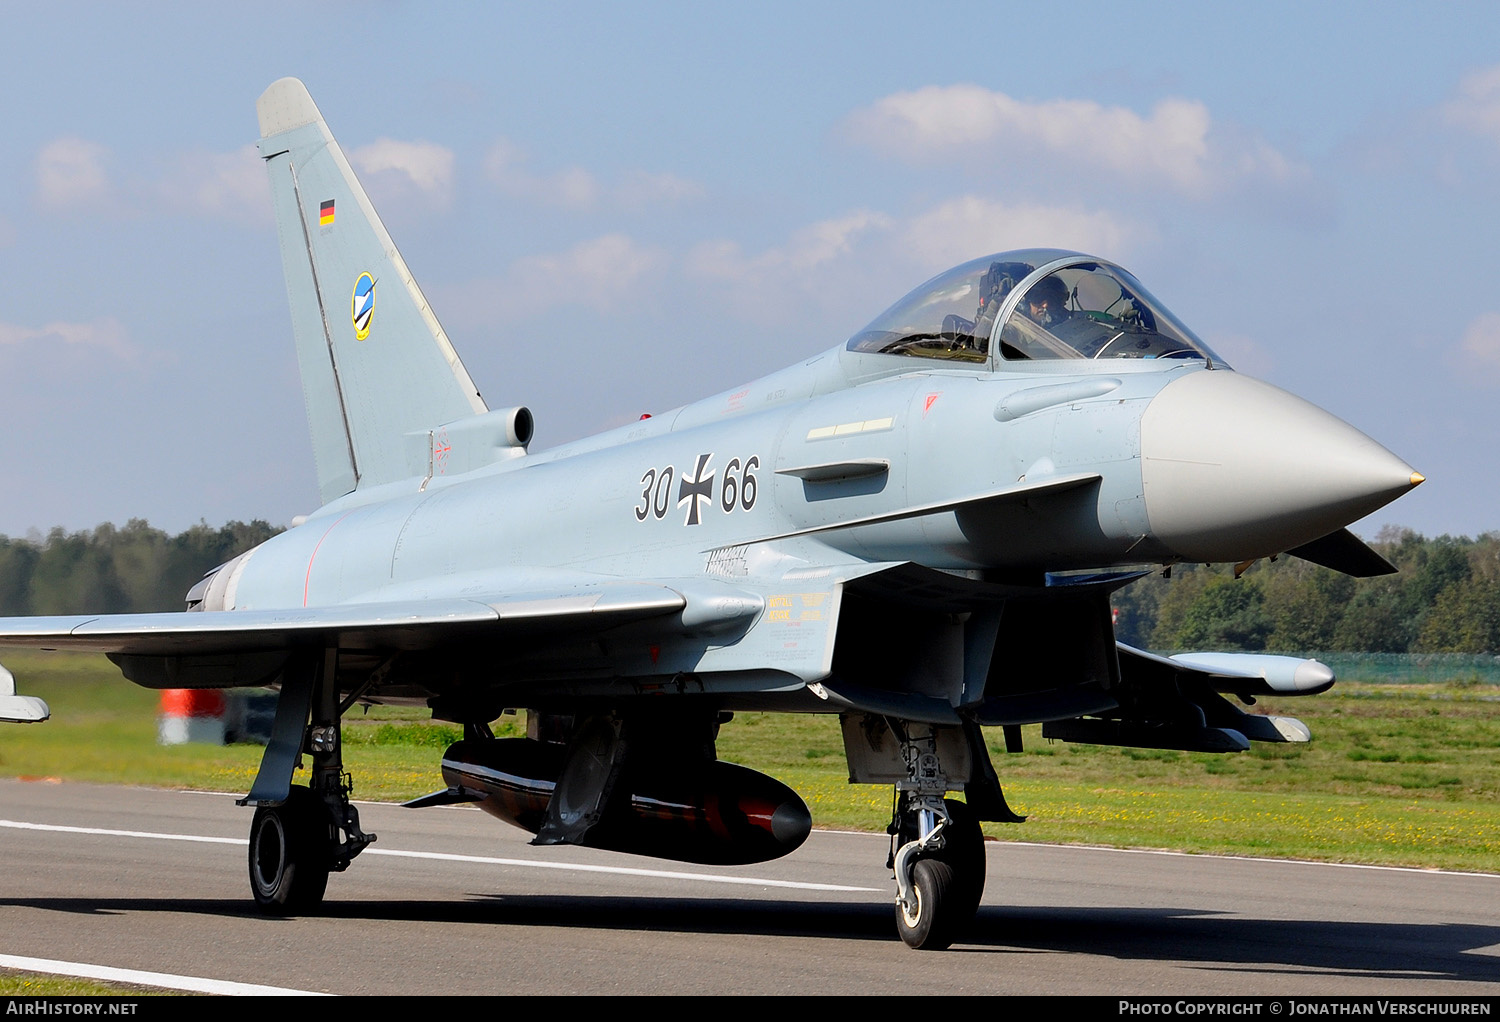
(1175, 702)
(249, 647)
(406, 624)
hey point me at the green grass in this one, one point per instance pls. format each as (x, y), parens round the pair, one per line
(26, 984)
(1399, 774)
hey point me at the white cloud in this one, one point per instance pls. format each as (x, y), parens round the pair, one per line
(805, 250)
(1177, 144)
(836, 273)
(426, 166)
(1481, 342)
(855, 250)
(970, 226)
(106, 333)
(576, 188)
(571, 188)
(230, 184)
(1475, 107)
(70, 171)
(605, 273)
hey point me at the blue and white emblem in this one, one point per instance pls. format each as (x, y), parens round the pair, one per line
(362, 305)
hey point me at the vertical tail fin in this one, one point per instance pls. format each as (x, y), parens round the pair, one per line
(375, 363)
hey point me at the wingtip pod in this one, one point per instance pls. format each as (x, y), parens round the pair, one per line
(1284, 675)
(286, 104)
(1312, 676)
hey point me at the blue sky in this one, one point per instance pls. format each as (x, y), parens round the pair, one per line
(617, 208)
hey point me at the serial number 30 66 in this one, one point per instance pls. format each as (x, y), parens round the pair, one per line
(736, 489)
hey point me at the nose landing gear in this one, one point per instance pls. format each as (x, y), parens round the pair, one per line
(937, 853)
(937, 847)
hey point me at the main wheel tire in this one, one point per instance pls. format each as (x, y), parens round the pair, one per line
(290, 849)
(928, 925)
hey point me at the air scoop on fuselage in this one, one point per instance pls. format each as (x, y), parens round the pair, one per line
(1233, 468)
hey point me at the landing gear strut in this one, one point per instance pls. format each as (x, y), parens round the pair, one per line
(301, 834)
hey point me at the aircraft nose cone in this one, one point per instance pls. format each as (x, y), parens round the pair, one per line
(1233, 468)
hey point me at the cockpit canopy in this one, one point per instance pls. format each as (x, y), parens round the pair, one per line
(1029, 305)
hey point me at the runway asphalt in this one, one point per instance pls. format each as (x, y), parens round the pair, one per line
(449, 901)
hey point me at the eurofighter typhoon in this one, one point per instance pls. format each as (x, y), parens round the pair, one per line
(917, 530)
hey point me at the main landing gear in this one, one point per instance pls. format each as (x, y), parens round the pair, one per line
(301, 834)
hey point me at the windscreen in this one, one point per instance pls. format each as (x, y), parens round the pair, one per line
(1092, 310)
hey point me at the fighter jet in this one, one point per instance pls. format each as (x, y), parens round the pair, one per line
(917, 530)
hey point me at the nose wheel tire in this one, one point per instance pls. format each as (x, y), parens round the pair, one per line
(964, 853)
(928, 923)
(289, 854)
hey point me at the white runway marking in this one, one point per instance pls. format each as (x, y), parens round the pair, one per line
(101, 832)
(1432, 871)
(196, 984)
(484, 860)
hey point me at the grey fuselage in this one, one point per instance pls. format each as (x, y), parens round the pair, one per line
(748, 503)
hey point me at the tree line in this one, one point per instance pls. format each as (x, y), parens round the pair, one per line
(1444, 599)
(125, 570)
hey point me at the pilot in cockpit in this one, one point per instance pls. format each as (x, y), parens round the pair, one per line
(1044, 325)
(1047, 303)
